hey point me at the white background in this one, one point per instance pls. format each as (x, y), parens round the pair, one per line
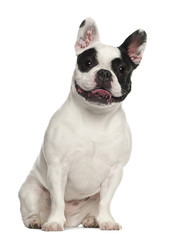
(37, 60)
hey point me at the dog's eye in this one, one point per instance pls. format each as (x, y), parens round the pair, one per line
(88, 64)
(121, 69)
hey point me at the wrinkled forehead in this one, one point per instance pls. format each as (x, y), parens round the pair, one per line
(105, 54)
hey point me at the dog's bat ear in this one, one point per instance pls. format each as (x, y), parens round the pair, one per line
(87, 35)
(135, 45)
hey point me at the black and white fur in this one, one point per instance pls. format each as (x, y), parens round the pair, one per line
(87, 142)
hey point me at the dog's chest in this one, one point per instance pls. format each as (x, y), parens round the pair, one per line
(91, 162)
(88, 148)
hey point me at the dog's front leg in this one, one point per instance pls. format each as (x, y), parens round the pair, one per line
(57, 177)
(107, 190)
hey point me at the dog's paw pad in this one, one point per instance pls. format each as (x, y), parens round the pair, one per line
(52, 226)
(90, 222)
(33, 222)
(110, 226)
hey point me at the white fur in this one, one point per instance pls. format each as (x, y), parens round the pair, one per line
(83, 154)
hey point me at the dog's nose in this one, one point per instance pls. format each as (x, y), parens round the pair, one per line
(104, 75)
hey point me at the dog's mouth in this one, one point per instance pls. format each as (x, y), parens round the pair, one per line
(99, 95)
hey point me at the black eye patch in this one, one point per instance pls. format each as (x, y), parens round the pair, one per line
(87, 60)
(118, 66)
(122, 70)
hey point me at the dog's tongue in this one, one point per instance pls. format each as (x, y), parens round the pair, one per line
(101, 93)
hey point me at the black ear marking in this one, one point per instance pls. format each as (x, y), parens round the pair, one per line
(135, 45)
(82, 24)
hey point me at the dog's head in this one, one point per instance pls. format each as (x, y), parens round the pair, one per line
(102, 74)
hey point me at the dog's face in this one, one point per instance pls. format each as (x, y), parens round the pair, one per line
(103, 73)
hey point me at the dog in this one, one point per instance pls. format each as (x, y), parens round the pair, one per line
(87, 142)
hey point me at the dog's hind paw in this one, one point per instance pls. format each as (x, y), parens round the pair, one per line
(33, 222)
(90, 222)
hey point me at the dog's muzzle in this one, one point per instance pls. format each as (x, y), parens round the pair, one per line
(101, 94)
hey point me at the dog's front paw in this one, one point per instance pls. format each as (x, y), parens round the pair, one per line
(110, 225)
(52, 226)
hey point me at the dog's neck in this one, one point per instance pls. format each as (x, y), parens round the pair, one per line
(92, 109)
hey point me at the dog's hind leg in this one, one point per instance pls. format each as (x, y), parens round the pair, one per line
(90, 221)
(34, 198)
(82, 212)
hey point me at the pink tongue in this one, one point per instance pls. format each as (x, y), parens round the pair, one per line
(102, 92)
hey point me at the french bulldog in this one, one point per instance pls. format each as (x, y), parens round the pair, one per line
(87, 142)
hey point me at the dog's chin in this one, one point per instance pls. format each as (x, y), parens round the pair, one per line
(99, 96)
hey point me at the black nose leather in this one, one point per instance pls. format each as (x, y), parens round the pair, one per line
(104, 75)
